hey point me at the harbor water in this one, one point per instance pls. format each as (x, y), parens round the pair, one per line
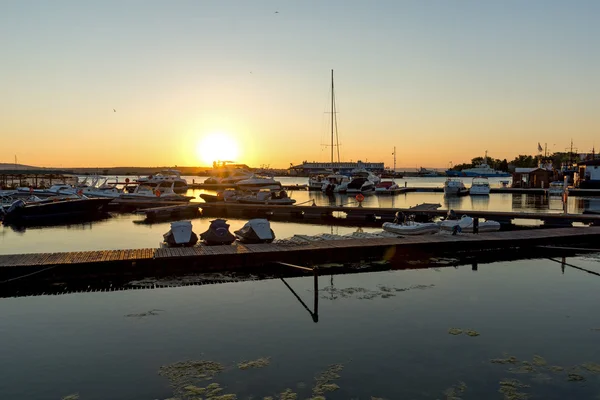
(487, 331)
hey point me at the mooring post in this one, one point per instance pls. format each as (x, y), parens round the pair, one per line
(476, 225)
(315, 313)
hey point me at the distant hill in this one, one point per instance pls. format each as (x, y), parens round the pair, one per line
(13, 166)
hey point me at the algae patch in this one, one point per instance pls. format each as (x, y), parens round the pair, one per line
(511, 389)
(74, 396)
(324, 382)
(468, 332)
(591, 367)
(258, 363)
(454, 392)
(507, 360)
(145, 314)
(539, 361)
(383, 292)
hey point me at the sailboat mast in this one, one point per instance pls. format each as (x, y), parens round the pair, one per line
(332, 118)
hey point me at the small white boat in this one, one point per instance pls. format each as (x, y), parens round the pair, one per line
(465, 224)
(168, 176)
(455, 187)
(480, 187)
(335, 183)
(159, 193)
(386, 187)
(256, 230)
(267, 197)
(315, 182)
(258, 182)
(181, 234)
(411, 228)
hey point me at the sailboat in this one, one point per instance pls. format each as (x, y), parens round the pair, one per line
(334, 182)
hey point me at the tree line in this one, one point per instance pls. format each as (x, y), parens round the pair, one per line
(521, 161)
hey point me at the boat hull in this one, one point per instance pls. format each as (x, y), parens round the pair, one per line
(56, 210)
(411, 228)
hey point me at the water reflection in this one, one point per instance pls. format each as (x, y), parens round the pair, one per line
(480, 202)
(95, 350)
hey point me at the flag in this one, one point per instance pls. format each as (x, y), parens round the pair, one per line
(539, 147)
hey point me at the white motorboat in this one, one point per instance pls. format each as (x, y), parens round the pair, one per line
(335, 183)
(166, 176)
(226, 173)
(557, 188)
(386, 187)
(101, 188)
(158, 193)
(256, 231)
(465, 224)
(258, 182)
(411, 228)
(266, 197)
(181, 234)
(454, 186)
(315, 182)
(480, 187)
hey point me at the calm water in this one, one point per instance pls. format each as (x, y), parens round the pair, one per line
(126, 230)
(390, 333)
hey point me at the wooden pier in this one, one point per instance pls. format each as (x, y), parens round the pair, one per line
(385, 214)
(136, 263)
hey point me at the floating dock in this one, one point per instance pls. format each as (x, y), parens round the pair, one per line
(359, 214)
(137, 263)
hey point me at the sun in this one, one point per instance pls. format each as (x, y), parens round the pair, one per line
(217, 147)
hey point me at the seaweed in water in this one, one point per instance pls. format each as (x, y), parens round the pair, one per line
(522, 369)
(591, 367)
(185, 374)
(74, 396)
(575, 378)
(288, 395)
(258, 363)
(145, 314)
(539, 361)
(454, 392)
(468, 332)
(510, 388)
(325, 380)
(507, 360)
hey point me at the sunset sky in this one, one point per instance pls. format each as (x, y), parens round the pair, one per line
(195, 80)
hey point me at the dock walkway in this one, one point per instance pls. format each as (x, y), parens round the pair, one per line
(144, 262)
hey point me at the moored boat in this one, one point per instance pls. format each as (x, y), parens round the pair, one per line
(217, 233)
(180, 235)
(388, 187)
(266, 197)
(454, 186)
(168, 176)
(256, 230)
(466, 224)
(480, 186)
(411, 228)
(54, 208)
(259, 182)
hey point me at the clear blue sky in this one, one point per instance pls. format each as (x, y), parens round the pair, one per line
(441, 80)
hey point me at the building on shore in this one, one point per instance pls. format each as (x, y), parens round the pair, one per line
(533, 177)
(589, 174)
(313, 168)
